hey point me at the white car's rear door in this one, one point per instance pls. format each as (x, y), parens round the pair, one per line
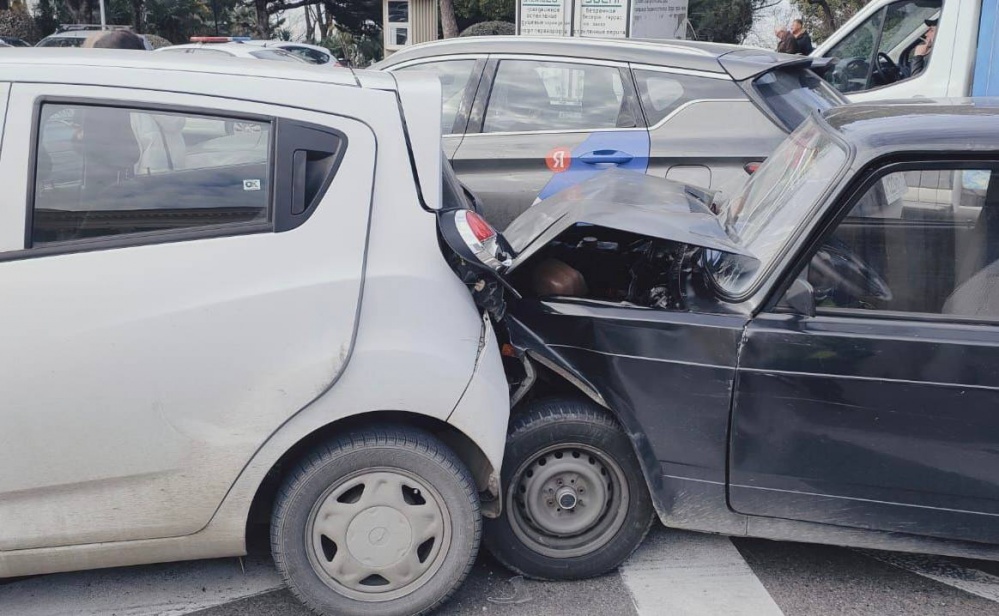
(171, 295)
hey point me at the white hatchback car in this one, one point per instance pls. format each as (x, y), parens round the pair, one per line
(218, 303)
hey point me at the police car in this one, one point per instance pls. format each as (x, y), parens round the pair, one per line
(209, 323)
(526, 117)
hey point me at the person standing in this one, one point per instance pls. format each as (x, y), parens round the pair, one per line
(802, 40)
(785, 41)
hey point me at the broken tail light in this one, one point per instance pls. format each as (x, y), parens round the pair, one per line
(481, 239)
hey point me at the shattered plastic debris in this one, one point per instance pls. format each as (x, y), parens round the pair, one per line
(519, 595)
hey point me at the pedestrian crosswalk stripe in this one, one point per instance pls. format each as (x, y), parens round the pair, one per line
(945, 571)
(691, 574)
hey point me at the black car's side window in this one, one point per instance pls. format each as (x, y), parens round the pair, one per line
(663, 93)
(530, 95)
(922, 241)
(110, 171)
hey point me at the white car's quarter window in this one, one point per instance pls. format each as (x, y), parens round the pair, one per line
(103, 171)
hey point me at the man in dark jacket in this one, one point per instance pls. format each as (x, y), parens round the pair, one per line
(785, 41)
(801, 37)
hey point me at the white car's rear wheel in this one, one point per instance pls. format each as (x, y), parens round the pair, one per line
(380, 523)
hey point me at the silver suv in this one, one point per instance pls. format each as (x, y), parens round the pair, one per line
(526, 117)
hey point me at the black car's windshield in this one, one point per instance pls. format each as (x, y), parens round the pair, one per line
(794, 93)
(776, 201)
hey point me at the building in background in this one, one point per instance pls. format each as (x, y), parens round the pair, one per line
(407, 22)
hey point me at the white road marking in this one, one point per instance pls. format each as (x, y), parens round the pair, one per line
(160, 590)
(693, 574)
(943, 570)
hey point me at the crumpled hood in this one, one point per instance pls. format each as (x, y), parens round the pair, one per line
(625, 201)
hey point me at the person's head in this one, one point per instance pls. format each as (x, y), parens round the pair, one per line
(780, 31)
(115, 39)
(797, 26)
(931, 30)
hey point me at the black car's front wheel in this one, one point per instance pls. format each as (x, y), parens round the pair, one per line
(576, 501)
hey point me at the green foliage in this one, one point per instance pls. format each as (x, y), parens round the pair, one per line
(178, 20)
(357, 50)
(469, 12)
(157, 41)
(822, 17)
(359, 17)
(46, 17)
(17, 22)
(489, 28)
(237, 20)
(722, 21)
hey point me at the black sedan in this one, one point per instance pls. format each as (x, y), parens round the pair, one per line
(814, 359)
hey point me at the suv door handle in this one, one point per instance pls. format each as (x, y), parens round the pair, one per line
(612, 157)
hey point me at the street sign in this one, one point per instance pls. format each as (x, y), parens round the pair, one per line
(659, 19)
(543, 18)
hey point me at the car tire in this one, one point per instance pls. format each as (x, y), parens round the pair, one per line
(569, 453)
(380, 522)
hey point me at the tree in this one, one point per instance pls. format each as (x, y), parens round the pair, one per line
(18, 23)
(723, 21)
(46, 17)
(178, 20)
(360, 17)
(823, 17)
(448, 21)
(470, 12)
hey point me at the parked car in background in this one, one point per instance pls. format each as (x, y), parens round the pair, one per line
(74, 35)
(233, 48)
(313, 54)
(224, 368)
(872, 52)
(13, 41)
(526, 117)
(812, 359)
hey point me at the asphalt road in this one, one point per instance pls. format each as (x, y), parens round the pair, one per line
(674, 573)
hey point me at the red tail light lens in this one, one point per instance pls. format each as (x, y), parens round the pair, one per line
(480, 238)
(479, 227)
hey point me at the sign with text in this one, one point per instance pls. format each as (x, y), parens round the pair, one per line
(657, 19)
(543, 18)
(602, 18)
(651, 19)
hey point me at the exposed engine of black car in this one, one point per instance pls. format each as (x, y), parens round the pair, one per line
(609, 265)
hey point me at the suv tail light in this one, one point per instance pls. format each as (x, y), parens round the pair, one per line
(480, 237)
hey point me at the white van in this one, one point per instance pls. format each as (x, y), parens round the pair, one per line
(872, 52)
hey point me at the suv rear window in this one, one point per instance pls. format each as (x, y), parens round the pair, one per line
(793, 94)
